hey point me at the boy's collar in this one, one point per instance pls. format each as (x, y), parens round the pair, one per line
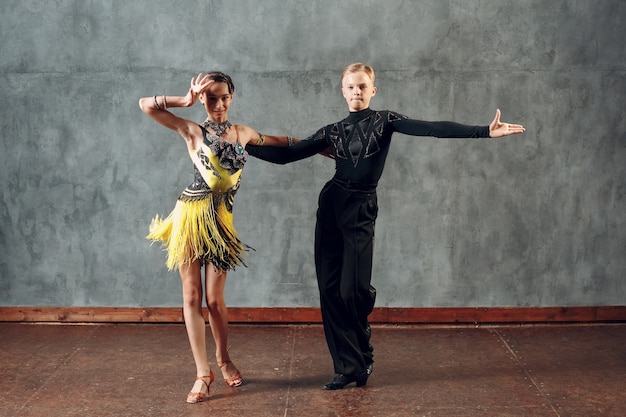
(356, 115)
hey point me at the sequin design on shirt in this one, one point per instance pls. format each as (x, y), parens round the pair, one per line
(360, 139)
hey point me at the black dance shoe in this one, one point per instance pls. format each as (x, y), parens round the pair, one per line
(342, 380)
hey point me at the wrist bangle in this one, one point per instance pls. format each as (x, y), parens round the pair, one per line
(261, 139)
(156, 104)
(289, 141)
(164, 103)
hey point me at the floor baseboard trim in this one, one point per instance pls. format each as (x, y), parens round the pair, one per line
(279, 315)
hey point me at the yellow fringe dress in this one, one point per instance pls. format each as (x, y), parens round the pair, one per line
(201, 224)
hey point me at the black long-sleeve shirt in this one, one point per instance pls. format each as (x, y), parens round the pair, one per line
(360, 142)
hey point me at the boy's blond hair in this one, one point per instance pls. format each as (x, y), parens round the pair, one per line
(356, 67)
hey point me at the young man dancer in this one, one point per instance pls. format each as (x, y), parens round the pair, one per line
(344, 233)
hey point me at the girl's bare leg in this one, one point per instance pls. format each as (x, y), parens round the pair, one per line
(218, 317)
(191, 277)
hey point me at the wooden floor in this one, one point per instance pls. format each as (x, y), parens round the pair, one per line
(58, 370)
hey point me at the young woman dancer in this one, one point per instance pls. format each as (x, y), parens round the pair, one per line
(199, 231)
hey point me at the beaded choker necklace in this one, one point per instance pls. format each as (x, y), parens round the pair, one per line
(218, 128)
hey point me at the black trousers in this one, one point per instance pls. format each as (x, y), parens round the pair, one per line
(344, 245)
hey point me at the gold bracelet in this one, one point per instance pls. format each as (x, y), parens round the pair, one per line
(261, 139)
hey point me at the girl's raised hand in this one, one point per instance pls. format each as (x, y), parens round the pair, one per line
(198, 86)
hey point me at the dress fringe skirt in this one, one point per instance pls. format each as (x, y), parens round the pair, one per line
(201, 229)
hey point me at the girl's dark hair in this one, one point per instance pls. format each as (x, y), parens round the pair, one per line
(220, 77)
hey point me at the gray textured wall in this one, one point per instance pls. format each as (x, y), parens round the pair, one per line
(532, 220)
